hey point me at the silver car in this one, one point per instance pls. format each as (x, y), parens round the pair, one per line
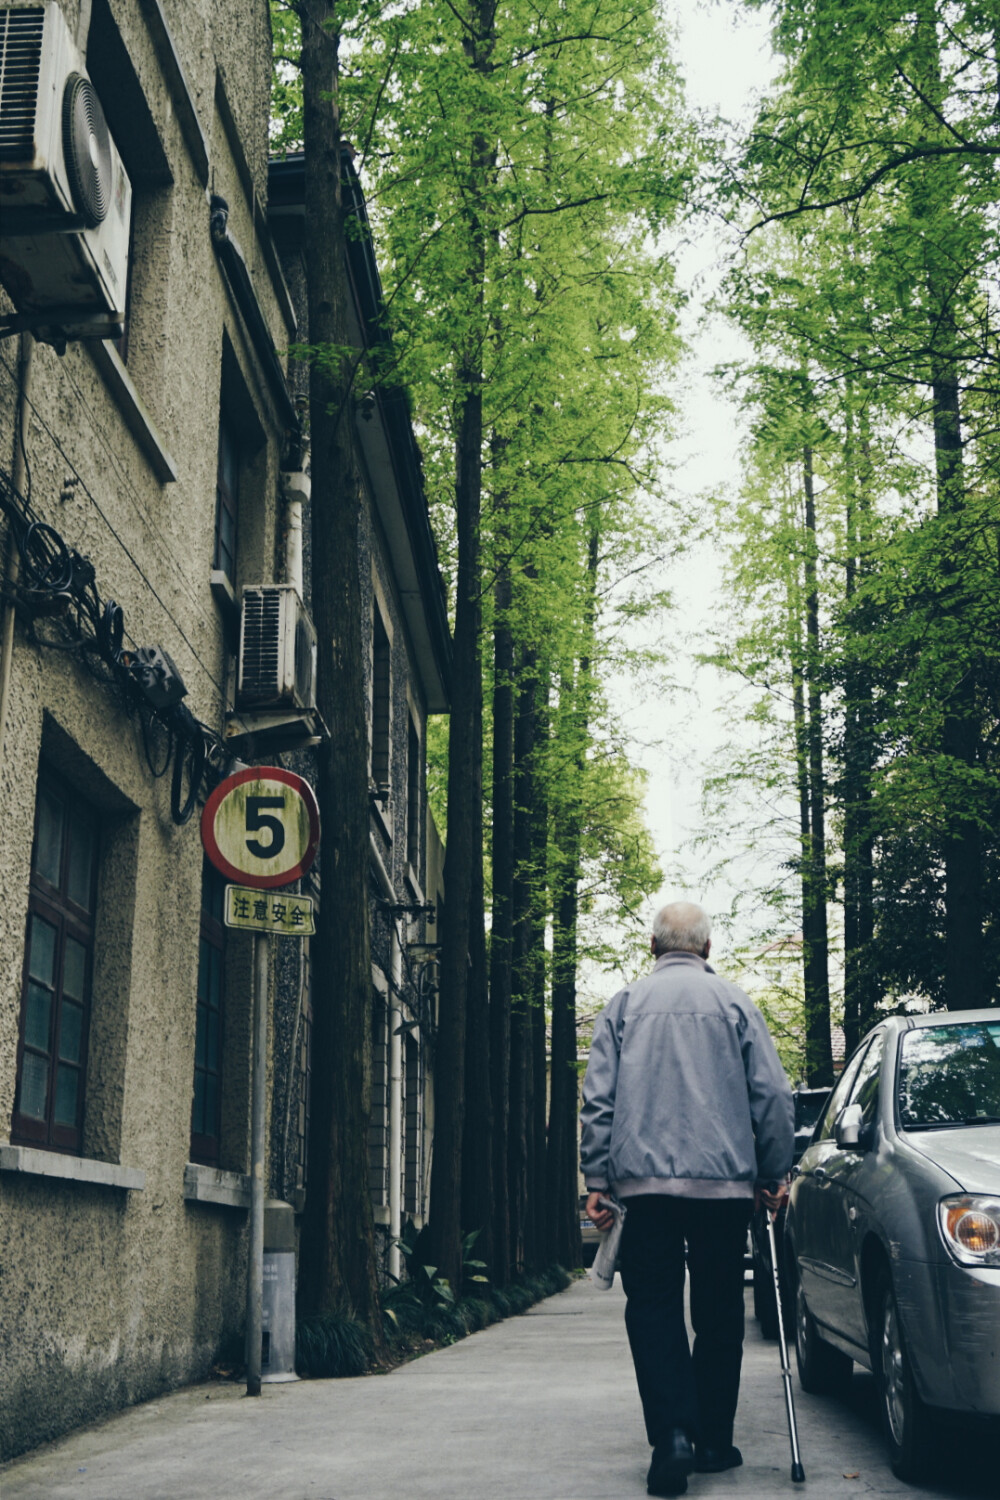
(893, 1228)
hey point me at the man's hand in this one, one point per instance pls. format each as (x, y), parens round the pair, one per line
(772, 1200)
(601, 1218)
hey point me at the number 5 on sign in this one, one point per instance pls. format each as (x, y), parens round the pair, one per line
(261, 827)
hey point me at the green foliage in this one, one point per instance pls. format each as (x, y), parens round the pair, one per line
(868, 182)
(332, 1345)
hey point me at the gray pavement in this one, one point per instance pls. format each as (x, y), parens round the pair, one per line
(541, 1407)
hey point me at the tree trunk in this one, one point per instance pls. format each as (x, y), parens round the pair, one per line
(962, 732)
(502, 929)
(536, 938)
(477, 1142)
(563, 1218)
(860, 972)
(337, 1268)
(520, 1138)
(819, 1055)
(464, 849)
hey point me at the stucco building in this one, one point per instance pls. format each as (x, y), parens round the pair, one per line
(147, 479)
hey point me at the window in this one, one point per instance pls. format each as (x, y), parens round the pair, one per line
(58, 967)
(227, 500)
(411, 1164)
(413, 799)
(130, 121)
(378, 1130)
(838, 1098)
(206, 1108)
(865, 1090)
(381, 714)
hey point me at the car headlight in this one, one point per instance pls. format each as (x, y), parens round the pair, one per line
(970, 1228)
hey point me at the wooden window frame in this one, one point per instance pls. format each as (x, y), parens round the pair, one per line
(205, 1145)
(53, 905)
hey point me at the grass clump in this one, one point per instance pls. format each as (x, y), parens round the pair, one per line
(331, 1345)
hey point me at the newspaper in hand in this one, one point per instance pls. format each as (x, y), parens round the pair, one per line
(602, 1272)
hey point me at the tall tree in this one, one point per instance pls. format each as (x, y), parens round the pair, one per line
(338, 1262)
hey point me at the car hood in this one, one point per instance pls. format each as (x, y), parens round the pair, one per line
(969, 1153)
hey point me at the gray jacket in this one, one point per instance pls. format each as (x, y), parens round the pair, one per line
(684, 1091)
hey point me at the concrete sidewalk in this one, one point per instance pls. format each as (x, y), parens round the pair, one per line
(541, 1407)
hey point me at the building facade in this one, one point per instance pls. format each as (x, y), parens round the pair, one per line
(147, 478)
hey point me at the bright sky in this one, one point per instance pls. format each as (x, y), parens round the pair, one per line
(726, 60)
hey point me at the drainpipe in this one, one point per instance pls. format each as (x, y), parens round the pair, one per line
(18, 471)
(395, 1068)
(297, 488)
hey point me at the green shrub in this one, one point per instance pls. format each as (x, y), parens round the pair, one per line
(330, 1345)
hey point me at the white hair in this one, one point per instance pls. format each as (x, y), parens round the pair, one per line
(681, 926)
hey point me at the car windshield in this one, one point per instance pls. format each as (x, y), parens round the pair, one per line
(950, 1075)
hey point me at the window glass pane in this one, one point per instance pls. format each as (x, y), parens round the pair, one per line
(201, 1038)
(38, 1012)
(228, 458)
(212, 1057)
(204, 963)
(215, 989)
(74, 970)
(839, 1096)
(34, 1086)
(67, 1083)
(49, 837)
(70, 1031)
(211, 1104)
(198, 1107)
(79, 878)
(227, 531)
(950, 1075)
(42, 957)
(865, 1091)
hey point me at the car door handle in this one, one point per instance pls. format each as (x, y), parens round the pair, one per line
(820, 1174)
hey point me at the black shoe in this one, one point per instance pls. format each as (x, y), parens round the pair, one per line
(714, 1460)
(672, 1463)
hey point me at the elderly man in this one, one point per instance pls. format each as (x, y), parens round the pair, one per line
(686, 1113)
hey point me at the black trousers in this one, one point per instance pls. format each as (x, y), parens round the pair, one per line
(696, 1390)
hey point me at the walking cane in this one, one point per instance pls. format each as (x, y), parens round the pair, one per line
(798, 1472)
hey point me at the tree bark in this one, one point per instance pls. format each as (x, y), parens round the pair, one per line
(563, 1217)
(521, 1133)
(477, 1142)
(337, 1268)
(502, 929)
(860, 971)
(536, 938)
(962, 730)
(819, 1055)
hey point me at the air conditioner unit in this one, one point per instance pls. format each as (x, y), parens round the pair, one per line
(277, 650)
(65, 197)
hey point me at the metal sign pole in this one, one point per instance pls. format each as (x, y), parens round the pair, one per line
(255, 1256)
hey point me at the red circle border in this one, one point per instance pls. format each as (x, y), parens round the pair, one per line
(229, 784)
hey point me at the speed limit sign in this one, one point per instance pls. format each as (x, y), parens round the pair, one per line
(260, 827)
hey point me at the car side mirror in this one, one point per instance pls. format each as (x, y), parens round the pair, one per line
(847, 1130)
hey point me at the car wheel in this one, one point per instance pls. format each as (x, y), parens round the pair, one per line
(823, 1370)
(764, 1305)
(909, 1432)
